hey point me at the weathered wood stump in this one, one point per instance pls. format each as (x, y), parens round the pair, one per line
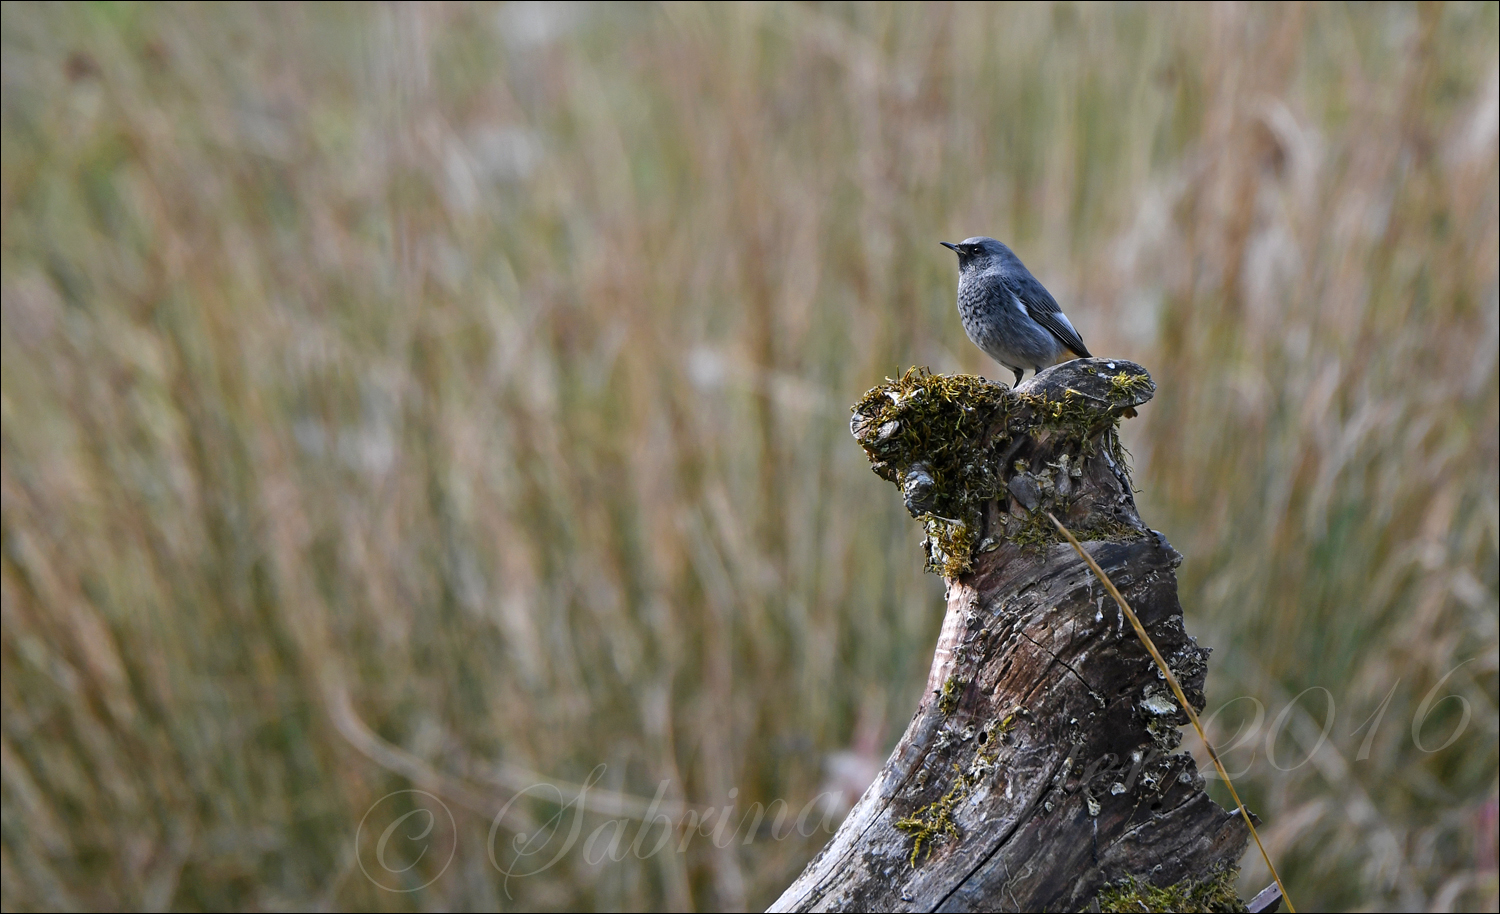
(1040, 768)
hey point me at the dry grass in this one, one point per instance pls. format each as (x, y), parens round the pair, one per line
(422, 396)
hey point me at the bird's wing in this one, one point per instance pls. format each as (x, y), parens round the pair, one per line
(1043, 309)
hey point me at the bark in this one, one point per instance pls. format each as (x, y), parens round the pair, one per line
(1041, 763)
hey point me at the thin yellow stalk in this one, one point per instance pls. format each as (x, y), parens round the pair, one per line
(1161, 663)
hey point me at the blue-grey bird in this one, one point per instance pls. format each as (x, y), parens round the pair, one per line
(1007, 312)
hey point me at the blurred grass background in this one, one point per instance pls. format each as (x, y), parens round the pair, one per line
(420, 396)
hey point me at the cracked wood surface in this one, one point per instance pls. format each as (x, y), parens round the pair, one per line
(1041, 763)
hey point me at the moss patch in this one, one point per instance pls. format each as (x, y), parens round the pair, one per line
(1125, 386)
(1073, 413)
(1034, 532)
(937, 423)
(1113, 531)
(950, 544)
(946, 440)
(948, 698)
(935, 820)
(1216, 893)
(1037, 531)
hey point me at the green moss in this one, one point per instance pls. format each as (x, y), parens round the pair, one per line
(1126, 387)
(1074, 414)
(1113, 531)
(1007, 723)
(950, 545)
(936, 418)
(939, 422)
(948, 699)
(1215, 893)
(935, 820)
(988, 755)
(941, 440)
(1037, 531)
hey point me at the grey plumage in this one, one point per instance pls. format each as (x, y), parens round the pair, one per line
(1007, 312)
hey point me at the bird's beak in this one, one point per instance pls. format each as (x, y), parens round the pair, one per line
(951, 247)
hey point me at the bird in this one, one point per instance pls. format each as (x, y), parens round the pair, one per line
(1007, 312)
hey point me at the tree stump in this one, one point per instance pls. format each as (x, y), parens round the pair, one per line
(1040, 771)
